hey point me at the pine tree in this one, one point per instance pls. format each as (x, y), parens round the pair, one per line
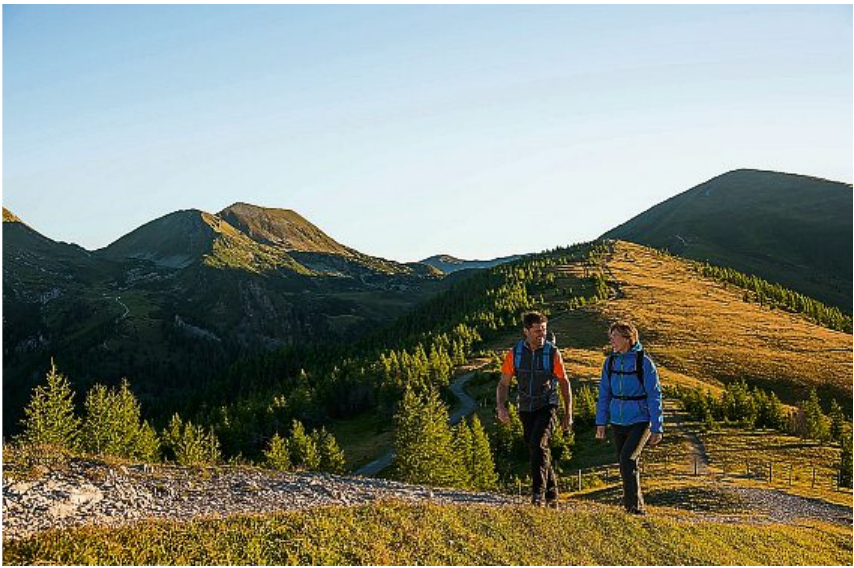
(423, 441)
(815, 423)
(112, 425)
(776, 416)
(190, 444)
(483, 466)
(147, 447)
(331, 456)
(49, 417)
(837, 421)
(845, 462)
(277, 455)
(463, 445)
(304, 452)
(510, 438)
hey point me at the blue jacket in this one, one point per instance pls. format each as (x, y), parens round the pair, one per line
(628, 412)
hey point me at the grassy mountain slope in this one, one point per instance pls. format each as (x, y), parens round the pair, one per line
(699, 332)
(790, 229)
(183, 296)
(397, 534)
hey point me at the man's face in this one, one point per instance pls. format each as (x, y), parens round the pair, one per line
(536, 335)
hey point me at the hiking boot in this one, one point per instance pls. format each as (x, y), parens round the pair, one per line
(551, 503)
(537, 501)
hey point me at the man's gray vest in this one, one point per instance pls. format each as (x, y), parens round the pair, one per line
(535, 376)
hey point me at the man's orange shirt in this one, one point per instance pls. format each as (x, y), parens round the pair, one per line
(509, 367)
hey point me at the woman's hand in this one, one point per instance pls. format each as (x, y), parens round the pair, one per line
(655, 438)
(600, 432)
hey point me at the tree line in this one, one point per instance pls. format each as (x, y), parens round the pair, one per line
(748, 408)
(112, 425)
(258, 396)
(768, 294)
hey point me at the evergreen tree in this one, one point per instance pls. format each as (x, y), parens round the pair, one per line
(775, 415)
(277, 454)
(464, 448)
(331, 456)
(815, 423)
(189, 444)
(49, 417)
(483, 474)
(584, 405)
(837, 421)
(560, 446)
(112, 425)
(423, 441)
(147, 447)
(510, 438)
(845, 462)
(304, 452)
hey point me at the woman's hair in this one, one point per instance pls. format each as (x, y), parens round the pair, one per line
(625, 329)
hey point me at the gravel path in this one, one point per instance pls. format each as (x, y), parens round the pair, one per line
(780, 507)
(92, 493)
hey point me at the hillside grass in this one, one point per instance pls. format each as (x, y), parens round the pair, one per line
(392, 533)
(703, 329)
(748, 455)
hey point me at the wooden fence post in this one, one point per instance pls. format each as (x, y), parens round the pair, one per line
(579, 480)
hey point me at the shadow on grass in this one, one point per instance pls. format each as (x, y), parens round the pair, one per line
(688, 498)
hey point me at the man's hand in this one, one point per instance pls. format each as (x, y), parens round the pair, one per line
(566, 423)
(655, 438)
(503, 414)
(600, 432)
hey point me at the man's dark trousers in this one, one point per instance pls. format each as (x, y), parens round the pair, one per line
(537, 427)
(629, 441)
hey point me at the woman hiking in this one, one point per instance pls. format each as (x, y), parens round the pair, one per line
(630, 401)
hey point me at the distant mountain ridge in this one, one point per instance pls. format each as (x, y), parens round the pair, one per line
(184, 295)
(786, 228)
(447, 263)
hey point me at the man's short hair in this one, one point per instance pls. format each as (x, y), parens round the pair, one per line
(626, 329)
(531, 318)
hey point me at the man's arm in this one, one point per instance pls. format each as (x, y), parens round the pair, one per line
(565, 391)
(501, 392)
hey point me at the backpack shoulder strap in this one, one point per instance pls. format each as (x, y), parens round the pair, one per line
(547, 357)
(610, 365)
(517, 355)
(639, 367)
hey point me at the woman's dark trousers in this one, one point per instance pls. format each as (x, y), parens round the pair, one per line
(630, 441)
(537, 427)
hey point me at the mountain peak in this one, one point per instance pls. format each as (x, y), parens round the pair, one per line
(9, 217)
(281, 228)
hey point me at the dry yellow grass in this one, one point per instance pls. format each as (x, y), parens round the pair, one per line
(700, 333)
(702, 329)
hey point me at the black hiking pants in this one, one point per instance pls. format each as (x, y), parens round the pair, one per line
(537, 427)
(630, 441)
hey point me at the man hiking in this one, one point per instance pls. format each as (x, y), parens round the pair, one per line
(538, 368)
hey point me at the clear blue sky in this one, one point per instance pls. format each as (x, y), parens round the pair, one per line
(407, 131)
